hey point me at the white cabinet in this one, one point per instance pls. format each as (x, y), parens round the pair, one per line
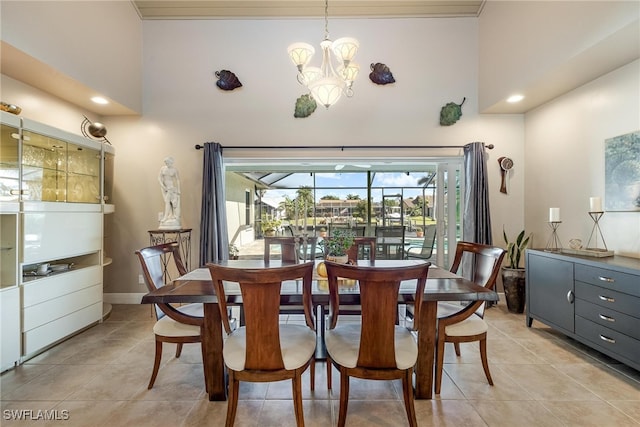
(10, 327)
(52, 204)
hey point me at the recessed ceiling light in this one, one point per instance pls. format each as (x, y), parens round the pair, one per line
(99, 100)
(515, 98)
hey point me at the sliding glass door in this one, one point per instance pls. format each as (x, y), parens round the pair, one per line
(287, 201)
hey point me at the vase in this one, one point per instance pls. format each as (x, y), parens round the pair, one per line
(513, 281)
(342, 259)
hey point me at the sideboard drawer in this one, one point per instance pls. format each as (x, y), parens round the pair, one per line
(610, 279)
(608, 339)
(611, 299)
(608, 318)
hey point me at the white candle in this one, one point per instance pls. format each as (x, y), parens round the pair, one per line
(595, 204)
(554, 214)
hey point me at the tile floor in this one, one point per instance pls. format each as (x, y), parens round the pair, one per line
(99, 378)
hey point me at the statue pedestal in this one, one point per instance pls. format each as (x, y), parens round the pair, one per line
(172, 224)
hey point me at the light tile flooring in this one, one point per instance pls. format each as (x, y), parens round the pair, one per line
(99, 378)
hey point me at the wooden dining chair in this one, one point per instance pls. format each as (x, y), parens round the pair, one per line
(291, 248)
(393, 232)
(179, 325)
(264, 350)
(362, 248)
(375, 348)
(456, 324)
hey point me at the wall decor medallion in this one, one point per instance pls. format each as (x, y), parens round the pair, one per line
(381, 74)
(450, 113)
(227, 80)
(305, 106)
(622, 173)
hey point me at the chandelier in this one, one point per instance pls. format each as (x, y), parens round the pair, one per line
(326, 83)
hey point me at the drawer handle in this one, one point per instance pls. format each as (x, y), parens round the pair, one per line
(606, 279)
(607, 339)
(607, 299)
(570, 297)
(607, 318)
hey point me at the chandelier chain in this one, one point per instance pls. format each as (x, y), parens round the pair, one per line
(326, 19)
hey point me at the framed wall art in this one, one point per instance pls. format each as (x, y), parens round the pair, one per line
(622, 172)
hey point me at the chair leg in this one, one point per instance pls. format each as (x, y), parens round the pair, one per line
(232, 404)
(178, 350)
(156, 364)
(407, 388)
(344, 398)
(312, 374)
(439, 361)
(329, 372)
(483, 356)
(297, 397)
(456, 346)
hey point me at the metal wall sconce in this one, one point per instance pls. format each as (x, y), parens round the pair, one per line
(94, 130)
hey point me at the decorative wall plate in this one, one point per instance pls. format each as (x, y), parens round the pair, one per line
(305, 106)
(227, 80)
(381, 74)
(450, 113)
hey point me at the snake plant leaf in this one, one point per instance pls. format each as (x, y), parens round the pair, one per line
(450, 113)
(305, 106)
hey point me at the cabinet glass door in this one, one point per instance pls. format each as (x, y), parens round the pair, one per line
(83, 169)
(9, 164)
(54, 170)
(44, 165)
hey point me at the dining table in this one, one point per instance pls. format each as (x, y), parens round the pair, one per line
(197, 287)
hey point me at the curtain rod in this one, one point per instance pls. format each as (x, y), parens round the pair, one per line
(337, 147)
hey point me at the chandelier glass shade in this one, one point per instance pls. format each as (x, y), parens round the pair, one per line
(327, 83)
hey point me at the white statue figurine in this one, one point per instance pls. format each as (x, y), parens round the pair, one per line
(170, 185)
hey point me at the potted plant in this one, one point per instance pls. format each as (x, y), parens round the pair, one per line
(234, 252)
(419, 232)
(269, 225)
(336, 246)
(513, 276)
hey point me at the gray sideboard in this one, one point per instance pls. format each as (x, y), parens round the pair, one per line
(594, 300)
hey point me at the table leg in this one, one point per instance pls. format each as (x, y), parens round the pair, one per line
(212, 353)
(426, 349)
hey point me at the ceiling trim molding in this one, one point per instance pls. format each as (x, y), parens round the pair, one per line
(272, 9)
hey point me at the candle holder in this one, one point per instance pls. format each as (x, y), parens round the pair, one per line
(553, 244)
(595, 231)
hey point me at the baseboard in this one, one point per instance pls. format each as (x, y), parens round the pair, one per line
(123, 298)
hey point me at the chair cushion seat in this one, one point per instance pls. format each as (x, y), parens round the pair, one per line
(297, 343)
(167, 327)
(343, 344)
(473, 325)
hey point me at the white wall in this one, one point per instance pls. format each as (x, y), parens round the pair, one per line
(564, 152)
(183, 107)
(545, 48)
(96, 43)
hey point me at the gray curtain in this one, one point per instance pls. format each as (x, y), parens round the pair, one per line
(214, 237)
(475, 217)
